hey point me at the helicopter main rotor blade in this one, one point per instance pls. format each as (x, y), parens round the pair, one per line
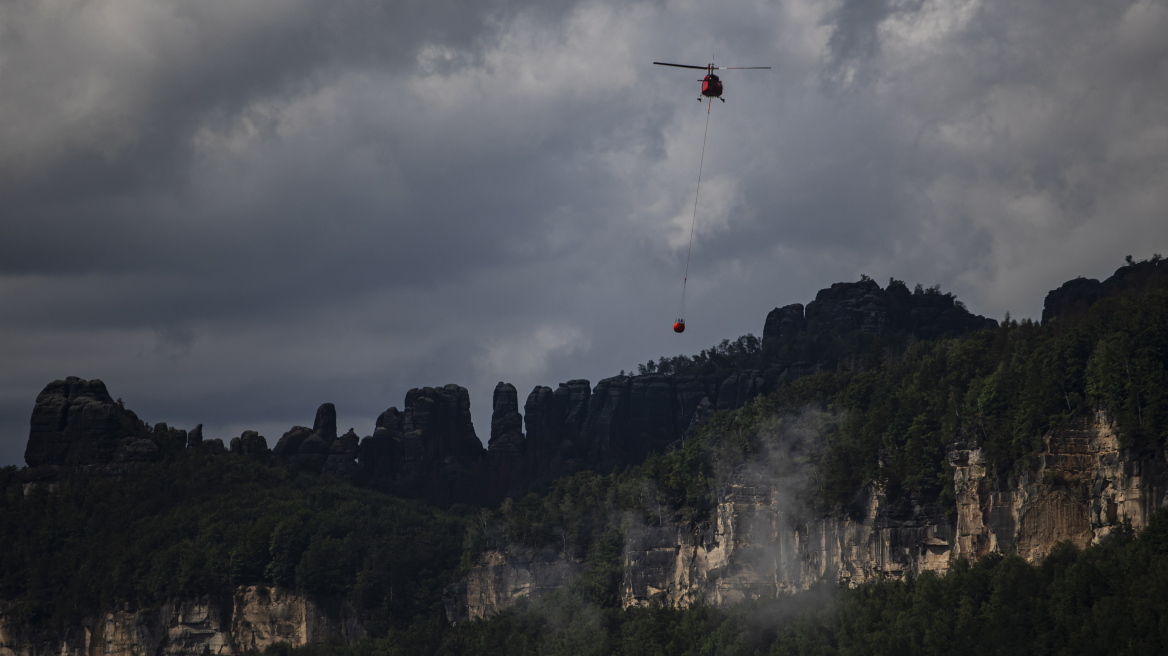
(682, 65)
(740, 68)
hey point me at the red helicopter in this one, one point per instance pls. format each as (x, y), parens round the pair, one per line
(711, 88)
(712, 84)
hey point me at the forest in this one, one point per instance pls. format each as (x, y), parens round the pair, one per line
(1106, 599)
(197, 524)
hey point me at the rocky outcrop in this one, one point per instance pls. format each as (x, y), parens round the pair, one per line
(429, 450)
(195, 437)
(1075, 297)
(1082, 486)
(554, 420)
(630, 417)
(250, 444)
(756, 547)
(313, 449)
(252, 619)
(760, 543)
(785, 322)
(506, 450)
(343, 454)
(506, 422)
(866, 307)
(325, 424)
(379, 455)
(76, 423)
(502, 579)
(436, 428)
(77, 426)
(737, 390)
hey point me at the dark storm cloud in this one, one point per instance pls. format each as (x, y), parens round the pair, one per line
(232, 212)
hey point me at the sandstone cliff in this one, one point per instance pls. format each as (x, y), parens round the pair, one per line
(759, 543)
(1080, 487)
(255, 617)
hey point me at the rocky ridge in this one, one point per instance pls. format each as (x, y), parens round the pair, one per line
(866, 307)
(430, 450)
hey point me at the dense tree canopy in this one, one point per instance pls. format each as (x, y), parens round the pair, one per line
(886, 414)
(201, 524)
(1107, 599)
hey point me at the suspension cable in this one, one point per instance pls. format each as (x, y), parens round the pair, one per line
(694, 221)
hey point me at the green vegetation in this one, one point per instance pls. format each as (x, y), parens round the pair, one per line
(890, 420)
(202, 525)
(900, 409)
(887, 414)
(725, 358)
(1106, 599)
(852, 350)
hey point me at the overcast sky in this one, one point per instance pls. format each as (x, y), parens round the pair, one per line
(232, 211)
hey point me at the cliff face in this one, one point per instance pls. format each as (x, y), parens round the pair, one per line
(500, 580)
(1082, 486)
(755, 548)
(253, 618)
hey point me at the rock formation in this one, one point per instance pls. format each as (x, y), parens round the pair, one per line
(195, 437)
(252, 619)
(865, 306)
(500, 580)
(76, 424)
(506, 450)
(429, 449)
(289, 444)
(632, 416)
(380, 453)
(756, 543)
(737, 390)
(506, 422)
(785, 322)
(311, 449)
(1085, 485)
(343, 454)
(1074, 297)
(554, 420)
(759, 543)
(436, 428)
(250, 444)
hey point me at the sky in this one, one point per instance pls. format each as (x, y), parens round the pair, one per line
(232, 212)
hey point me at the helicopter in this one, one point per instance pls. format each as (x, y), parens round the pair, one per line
(712, 84)
(711, 88)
